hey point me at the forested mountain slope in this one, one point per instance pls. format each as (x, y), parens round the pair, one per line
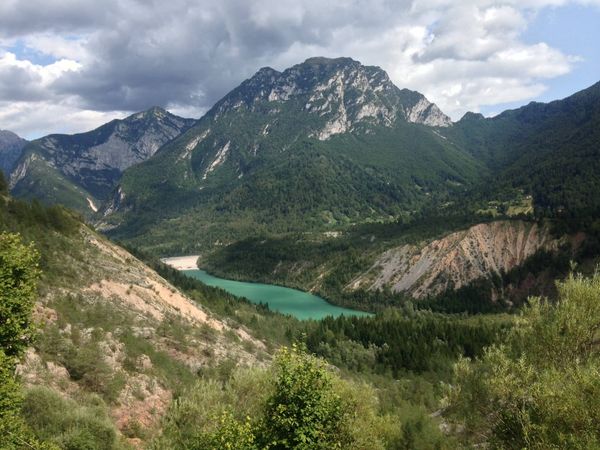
(327, 142)
(548, 150)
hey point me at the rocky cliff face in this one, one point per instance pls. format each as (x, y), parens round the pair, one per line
(341, 91)
(455, 260)
(11, 147)
(94, 161)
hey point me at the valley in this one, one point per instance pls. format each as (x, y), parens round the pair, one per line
(410, 275)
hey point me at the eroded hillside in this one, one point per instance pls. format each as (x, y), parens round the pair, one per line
(455, 260)
(111, 327)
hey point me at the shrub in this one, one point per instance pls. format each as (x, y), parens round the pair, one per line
(84, 424)
(541, 388)
(297, 403)
(304, 411)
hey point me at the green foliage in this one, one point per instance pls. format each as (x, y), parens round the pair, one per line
(3, 184)
(68, 424)
(215, 411)
(230, 435)
(304, 412)
(540, 388)
(18, 276)
(11, 424)
(397, 341)
(297, 403)
(549, 151)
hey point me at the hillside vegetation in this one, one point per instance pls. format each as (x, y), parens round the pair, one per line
(156, 346)
(549, 150)
(114, 342)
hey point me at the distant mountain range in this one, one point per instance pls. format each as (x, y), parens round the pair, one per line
(81, 170)
(326, 143)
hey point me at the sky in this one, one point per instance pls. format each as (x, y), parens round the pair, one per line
(69, 66)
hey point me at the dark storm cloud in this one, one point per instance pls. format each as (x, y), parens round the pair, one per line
(190, 52)
(22, 17)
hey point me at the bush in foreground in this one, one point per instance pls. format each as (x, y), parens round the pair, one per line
(540, 389)
(297, 403)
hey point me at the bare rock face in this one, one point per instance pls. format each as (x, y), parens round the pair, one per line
(341, 93)
(11, 147)
(94, 161)
(427, 113)
(457, 259)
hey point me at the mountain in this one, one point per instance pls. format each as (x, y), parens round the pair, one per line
(548, 150)
(81, 170)
(326, 142)
(11, 147)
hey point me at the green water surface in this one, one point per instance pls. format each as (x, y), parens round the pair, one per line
(301, 305)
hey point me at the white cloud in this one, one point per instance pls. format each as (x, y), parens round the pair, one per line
(21, 80)
(60, 47)
(37, 118)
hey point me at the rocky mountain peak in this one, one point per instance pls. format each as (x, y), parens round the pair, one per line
(156, 114)
(91, 163)
(342, 92)
(471, 116)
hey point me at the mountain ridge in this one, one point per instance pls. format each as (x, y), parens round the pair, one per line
(82, 169)
(317, 143)
(11, 146)
(548, 150)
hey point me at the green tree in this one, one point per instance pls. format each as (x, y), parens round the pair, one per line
(18, 276)
(540, 389)
(298, 403)
(304, 412)
(3, 184)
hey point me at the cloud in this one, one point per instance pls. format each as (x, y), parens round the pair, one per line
(21, 80)
(21, 18)
(33, 119)
(128, 55)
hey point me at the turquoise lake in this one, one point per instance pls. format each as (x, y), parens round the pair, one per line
(285, 300)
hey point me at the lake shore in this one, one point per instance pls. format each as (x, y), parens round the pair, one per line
(189, 262)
